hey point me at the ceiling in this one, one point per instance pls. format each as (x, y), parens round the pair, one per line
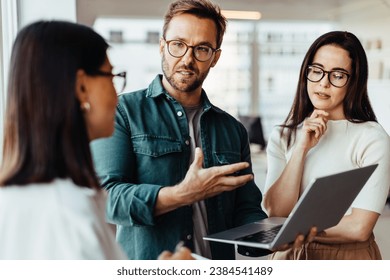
(88, 10)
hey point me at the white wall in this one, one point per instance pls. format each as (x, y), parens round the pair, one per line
(32, 10)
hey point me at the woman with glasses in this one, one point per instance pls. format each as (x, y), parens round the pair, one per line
(61, 96)
(330, 128)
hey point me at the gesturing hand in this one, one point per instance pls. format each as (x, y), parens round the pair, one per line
(201, 183)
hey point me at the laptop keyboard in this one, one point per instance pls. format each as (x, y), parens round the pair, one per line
(264, 236)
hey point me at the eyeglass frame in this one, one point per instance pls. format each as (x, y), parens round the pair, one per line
(193, 49)
(122, 74)
(327, 72)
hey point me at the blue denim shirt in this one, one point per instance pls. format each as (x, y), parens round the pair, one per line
(150, 149)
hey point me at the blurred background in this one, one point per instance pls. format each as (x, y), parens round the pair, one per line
(262, 51)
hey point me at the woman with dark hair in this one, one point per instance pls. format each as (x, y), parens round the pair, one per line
(330, 128)
(61, 96)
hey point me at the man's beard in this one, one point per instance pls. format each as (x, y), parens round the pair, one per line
(182, 85)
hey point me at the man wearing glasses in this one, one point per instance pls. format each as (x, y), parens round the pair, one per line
(178, 168)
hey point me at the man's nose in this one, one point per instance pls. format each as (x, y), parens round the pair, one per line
(189, 56)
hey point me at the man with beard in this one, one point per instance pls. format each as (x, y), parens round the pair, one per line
(177, 167)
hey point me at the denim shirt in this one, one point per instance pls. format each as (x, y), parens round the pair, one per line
(150, 149)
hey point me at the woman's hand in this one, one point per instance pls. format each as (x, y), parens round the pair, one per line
(300, 240)
(314, 128)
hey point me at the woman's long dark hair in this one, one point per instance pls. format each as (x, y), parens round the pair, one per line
(356, 104)
(45, 134)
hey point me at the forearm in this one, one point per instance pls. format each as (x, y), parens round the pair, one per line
(356, 227)
(168, 199)
(284, 193)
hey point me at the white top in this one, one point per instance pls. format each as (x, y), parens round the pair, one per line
(344, 146)
(57, 220)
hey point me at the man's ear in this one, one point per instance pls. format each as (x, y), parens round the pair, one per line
(162, 45)
(216, 57)
(81, 86)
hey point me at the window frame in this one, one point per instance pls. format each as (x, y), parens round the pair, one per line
(8, 31)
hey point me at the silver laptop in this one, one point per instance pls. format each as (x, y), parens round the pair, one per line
(322, 204)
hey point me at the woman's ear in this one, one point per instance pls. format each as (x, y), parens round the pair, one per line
(81, 88)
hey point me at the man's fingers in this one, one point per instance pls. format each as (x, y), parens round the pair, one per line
(218, 170)
(229, 169)
(235, 181)
(198, 158)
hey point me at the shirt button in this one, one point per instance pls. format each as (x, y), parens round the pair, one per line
(179, 113)
(189, 237)
(187, 142)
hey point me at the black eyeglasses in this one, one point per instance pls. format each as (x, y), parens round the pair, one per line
(177, 48)
(336, 77)
(119, 80)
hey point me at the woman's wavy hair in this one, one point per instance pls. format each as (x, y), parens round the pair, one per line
(45, 133)
(356, 104)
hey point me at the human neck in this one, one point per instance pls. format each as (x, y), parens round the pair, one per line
(336, 116)
(186, 99)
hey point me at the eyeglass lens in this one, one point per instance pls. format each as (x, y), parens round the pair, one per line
(119, 81)
(336, 78)
(179, 49)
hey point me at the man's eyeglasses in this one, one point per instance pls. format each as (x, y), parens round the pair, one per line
(177, 48)
(336, 77)
(118, 80)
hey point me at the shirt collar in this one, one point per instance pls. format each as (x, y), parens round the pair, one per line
(156, 88)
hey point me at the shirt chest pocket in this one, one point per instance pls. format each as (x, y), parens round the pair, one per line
(158, 159)
(226, 157)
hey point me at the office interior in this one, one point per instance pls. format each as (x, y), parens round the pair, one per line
(256, 77)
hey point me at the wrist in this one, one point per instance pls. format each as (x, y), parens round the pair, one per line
(301, 151)
(182, 197)
(168, 199)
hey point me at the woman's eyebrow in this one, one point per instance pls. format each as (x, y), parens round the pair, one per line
(333, 69)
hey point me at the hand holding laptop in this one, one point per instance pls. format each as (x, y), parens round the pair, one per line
(299, 241)
(323, 203)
